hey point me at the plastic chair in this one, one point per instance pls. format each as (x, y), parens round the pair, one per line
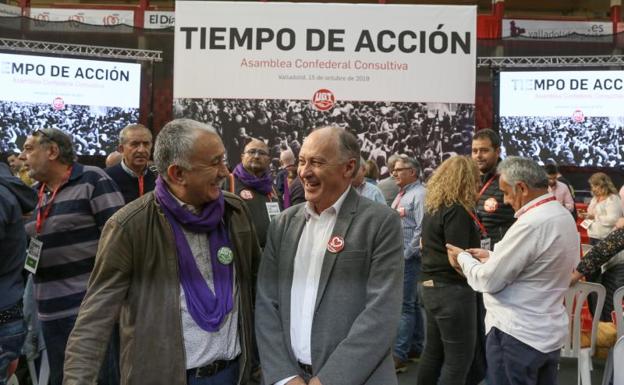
(618, 295)
(618, 356)
(575, 297)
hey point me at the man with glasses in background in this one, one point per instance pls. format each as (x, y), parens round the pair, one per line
(74, 203)
(252, 181)
(409, 203)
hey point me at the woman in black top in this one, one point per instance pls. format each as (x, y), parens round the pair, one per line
(449, 302)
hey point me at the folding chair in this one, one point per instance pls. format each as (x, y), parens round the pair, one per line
(575, 297)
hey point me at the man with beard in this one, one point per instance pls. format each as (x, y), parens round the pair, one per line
(253, 182)
(132, 174)
(75, 201)
(496, 216)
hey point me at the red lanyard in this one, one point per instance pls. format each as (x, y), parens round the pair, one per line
(546, 200)
(487, 184)
(42, 217)
(140, 185)
(478, 223)
(397, 200)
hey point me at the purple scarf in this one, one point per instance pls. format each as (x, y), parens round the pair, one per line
(207, 309)
(264, 184)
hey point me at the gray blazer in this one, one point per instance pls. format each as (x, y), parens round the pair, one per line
(358, 303)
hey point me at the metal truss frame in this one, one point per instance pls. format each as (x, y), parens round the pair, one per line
(550, 61)
(80, 50)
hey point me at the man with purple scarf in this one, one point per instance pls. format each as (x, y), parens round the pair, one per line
(176, 268)
(252, 181)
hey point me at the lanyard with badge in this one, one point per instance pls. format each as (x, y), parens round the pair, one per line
(546, 200)
(486, 242)
(35, 246)
(273, 209)
(141, 185)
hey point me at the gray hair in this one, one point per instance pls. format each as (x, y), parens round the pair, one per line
(348, 146)
(131, 127)
(517, 169)
(174, 143)
(391, 161)
(412, 162)
(47, 136)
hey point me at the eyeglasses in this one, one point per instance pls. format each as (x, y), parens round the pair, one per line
(254, 152)
(402, 169)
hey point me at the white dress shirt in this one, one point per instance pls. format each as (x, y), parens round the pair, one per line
(527, 274)
(306, 276)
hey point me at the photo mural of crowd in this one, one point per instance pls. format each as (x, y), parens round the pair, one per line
(591, 141)
(94, 129)
(430, 132)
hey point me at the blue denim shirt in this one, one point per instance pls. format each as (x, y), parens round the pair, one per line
(411, 208)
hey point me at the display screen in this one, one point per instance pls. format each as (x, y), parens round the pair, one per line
(575, 118)
(92, 100)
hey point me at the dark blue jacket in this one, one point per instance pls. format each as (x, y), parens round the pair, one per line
(16, 199)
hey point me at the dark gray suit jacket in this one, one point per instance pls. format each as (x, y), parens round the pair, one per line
(358, 304)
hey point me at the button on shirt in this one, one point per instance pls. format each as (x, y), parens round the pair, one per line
(306, 275)
(527, 274)
(410, 206)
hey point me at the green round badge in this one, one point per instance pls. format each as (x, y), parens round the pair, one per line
(225, 255)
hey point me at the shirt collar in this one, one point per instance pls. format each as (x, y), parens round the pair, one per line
(308, 210)
(184, 205)
(529, 204)
(411, 185)
(129, 171)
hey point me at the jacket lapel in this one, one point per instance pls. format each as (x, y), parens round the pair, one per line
(345, 216)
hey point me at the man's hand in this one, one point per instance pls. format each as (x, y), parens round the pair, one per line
(315, 381)
(296, 381)
(453, 252)
(481, 254)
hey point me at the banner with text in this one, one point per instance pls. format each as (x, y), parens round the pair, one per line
(359, 52)
(401, 76)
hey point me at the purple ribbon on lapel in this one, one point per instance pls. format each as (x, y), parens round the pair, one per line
(208, 309)
(264, 184)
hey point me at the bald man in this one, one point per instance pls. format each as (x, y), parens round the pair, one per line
(287, 181)
(252, 181)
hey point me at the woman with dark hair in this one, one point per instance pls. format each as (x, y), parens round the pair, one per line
(608, 253)
(450, 304)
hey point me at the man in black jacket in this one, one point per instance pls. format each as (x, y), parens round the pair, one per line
(495, 215)
(16, 200)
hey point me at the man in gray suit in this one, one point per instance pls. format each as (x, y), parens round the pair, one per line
(330, 281)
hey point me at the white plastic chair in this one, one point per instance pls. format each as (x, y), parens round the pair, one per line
(618, 356)
(575, 297)
(618, 295)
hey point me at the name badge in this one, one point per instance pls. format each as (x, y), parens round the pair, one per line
(272, 209)
(32, 255)
(486, 243)
(586, 223)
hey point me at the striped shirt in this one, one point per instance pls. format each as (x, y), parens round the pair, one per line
(70, 236)
(410, 205)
